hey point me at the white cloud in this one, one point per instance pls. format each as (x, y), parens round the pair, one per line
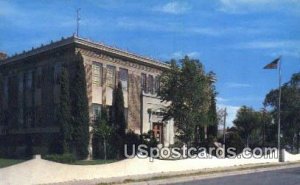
(18, 16)
(245, 6)
(237, 85)
(8, 9)
(269, 44)
(156, 25)
(221, 31)
(231, 113)
(291, 53)
(193, 54)
(180, 54)
(160, 25)
(206, 31)
(220, 99)
(289, 48)
(177, 55)
(139, 24)
(175, 7)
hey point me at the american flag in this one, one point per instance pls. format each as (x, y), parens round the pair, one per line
(273, 64)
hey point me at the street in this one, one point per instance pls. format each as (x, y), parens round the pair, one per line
(290, 176)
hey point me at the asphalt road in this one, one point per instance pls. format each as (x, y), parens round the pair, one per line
(290, 176)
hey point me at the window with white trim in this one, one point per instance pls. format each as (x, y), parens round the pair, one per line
(97, 74)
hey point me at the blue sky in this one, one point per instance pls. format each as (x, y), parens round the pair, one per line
(233, 38)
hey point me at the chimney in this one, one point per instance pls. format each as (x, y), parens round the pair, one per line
(3, 55)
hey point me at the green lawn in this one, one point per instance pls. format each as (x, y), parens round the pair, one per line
(9, 162)
(93, 162)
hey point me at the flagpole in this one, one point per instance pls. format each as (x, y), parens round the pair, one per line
(279, 108)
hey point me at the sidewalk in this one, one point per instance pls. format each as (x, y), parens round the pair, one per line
(177, 177)
(39, 171)
(211, 173)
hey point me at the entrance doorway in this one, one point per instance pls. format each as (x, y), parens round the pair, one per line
(158, 131)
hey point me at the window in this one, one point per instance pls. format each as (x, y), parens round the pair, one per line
(38, 116)
(157, 84)
(39, 77)
(57, 73)
(21, 116)
(111, 76)
(123, 77)
(150, 84)
(96, 111)
(144, 82)
(298, 85)
(20, 86)
(5, 88)
(97, 74)
(28, 80)
(126, 115)
(56, 110)
(29, 119)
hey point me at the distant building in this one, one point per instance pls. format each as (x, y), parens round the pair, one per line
(31, 89)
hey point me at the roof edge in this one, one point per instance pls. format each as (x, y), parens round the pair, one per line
(85, 42)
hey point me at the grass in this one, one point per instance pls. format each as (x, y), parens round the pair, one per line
(9, 162)
(93, 162)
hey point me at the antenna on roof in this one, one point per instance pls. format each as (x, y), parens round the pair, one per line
(77, 21)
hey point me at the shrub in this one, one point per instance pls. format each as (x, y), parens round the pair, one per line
(64, 158)
(132, 139)
(149, 140)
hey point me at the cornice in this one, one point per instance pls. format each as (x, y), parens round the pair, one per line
(89, 44)
(120, 53)
(41, 49)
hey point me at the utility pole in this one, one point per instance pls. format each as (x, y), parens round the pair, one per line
(77, 21)
(264, 113)
(224, 126)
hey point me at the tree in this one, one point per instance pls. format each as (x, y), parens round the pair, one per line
(268, 129)
(290, 106)
(103, 130)
(247, 124)
(233, 139)
(212, 117)
(118, 111)
(80, 111)
(187, 88)
(118, 118)
(64, 114)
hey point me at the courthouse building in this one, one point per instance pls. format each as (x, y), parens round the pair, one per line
(31, 90)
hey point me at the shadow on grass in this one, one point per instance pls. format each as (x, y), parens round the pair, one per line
(9, 162)
(93, 162)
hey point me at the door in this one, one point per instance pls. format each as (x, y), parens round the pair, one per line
(158, 131)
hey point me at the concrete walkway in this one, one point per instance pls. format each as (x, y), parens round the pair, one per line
(39, 171)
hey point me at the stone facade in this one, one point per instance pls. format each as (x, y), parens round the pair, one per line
(31, 92)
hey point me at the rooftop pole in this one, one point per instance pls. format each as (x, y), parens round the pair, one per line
(77, 21)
